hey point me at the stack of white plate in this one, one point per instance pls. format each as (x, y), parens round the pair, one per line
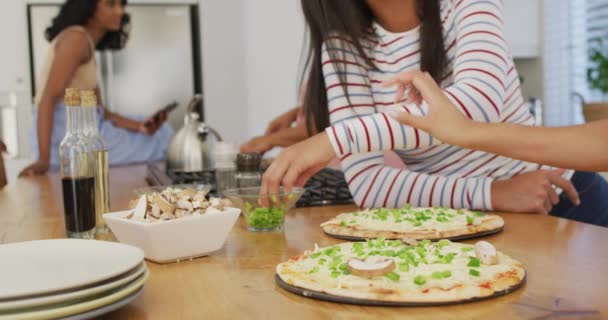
(68, 278)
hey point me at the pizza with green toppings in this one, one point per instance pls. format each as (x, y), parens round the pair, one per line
(415, 223)
(393, 272)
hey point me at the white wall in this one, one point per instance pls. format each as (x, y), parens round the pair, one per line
(14, 71)
(223, 67)
(273, 46)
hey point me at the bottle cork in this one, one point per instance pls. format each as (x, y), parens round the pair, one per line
(72, 97)
(88, 98)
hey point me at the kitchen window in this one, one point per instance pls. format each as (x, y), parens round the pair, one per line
(569, 28)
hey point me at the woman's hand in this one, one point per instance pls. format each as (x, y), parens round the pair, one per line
(152, 124)
(296, 164)
(37, 168)
(258, 144)
(531, 192)
(283, 121)
(442, 120)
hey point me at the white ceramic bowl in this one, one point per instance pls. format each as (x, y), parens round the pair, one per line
(172, 240)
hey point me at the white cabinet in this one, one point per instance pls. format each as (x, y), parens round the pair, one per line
(523, 20)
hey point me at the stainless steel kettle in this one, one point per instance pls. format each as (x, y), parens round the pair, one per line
(190, 148)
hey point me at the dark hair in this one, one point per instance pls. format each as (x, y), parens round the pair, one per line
(352, 21)
(78, 13)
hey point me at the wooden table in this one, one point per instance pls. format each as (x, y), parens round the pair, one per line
(567, 264)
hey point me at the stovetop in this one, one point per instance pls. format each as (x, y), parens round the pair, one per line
(327, 187)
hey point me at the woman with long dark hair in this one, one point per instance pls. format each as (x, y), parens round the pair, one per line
(355, 46)
(80, 28)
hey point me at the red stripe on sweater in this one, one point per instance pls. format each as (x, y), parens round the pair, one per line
(487, 98)
(391, 42)
(479, 166)
(369, 144)
(398, 60)
(433, 191)
(390, 131)
(390, 189)
(486, 13)
(370, 186)
(409, 196)
(333, 130)
(351, 106)
(482, 51)
(452, 193)
(482, 71)
(481, 31)
(347, 84)
(362, 170)
(466, 111)
(451, 163)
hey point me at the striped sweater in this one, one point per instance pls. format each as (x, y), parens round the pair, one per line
(481, 81)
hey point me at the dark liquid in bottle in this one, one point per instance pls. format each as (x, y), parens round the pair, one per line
(79, 203)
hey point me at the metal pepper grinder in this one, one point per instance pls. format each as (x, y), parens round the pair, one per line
(248, 170)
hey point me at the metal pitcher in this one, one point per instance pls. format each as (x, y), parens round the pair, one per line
(190, 148)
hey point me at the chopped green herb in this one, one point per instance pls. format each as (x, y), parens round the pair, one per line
(358, 246)
(343, 267)
(335, 274)
(314, 270)
(264, 218)
(315, 255)
(404, 267)
(388, 253)
(424, 243)
(420, 251)
(441, 274)
(474, 272)
(470, 220)
(401, 254)
(394, 243)
(342, 224)
(443, 243)
(419, 280)
(417, 224)
(479, 214)
(393, 276)
(474, 262)
(322, 261)
(467, 249)
(447, 259)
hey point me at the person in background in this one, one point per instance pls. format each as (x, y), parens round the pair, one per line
(283, 131)
(80, 28)
(355, 47)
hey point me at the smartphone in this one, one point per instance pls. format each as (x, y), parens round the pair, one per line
(168, 108)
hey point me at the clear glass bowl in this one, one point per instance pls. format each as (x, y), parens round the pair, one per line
(204, 188)
(264, 212)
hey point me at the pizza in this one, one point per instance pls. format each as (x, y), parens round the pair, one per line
(416, 223)
(393, 272)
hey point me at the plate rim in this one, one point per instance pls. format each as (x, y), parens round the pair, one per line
(87, 283)
(69, 296)
(82, 307)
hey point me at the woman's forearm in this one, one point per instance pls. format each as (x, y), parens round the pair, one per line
(582, 147)
(289, 136)
(45, 130)
(122, 122)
